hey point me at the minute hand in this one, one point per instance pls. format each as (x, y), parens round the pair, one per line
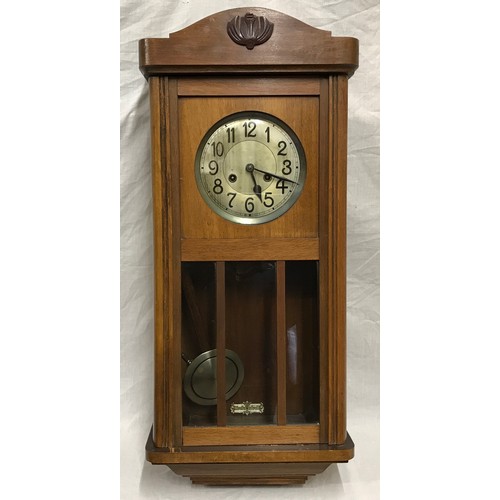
(275, 176)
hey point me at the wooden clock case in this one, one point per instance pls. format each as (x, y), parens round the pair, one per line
(220, 65)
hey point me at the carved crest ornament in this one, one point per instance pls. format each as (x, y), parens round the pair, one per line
(250, 30)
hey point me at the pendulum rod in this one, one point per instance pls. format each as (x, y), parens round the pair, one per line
(220, 280)
(281, 341)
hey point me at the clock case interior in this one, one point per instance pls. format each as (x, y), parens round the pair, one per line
(253, 295)
(260, 307)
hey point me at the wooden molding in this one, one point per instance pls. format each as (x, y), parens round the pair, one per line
(250, 249)
(205, 48)
(250, 454)
(250, 434)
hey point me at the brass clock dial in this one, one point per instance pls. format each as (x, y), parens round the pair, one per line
(250, 167)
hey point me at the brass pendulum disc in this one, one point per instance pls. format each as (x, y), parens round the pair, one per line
(200, 379)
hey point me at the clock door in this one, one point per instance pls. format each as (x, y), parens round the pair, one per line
(250, 328)
(253, 325)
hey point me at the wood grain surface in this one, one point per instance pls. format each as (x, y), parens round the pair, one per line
(249, 249)
(204, 47)
(197, 219)
(196, 77)
(250, 434)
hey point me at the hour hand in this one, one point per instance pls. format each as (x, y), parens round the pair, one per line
(256, 188)
(275, 176)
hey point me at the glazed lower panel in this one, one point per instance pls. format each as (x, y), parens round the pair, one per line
(261, 319)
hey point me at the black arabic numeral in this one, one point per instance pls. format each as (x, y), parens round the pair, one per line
(280, 184)
(282, 146)
(249, 205)
(217, 149)
(268, 198)
(213, 167)
(218, 189)
(287, 169)
(268, 134)
(233, 196)
(230, 134)
(250, 129)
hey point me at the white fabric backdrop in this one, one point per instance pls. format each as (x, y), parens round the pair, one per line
(359, 479)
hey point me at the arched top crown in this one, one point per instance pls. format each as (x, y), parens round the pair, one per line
(245, 41)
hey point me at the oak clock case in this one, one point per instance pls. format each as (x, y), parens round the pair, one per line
(249, 136)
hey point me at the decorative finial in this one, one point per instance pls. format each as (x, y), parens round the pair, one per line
(250, 30)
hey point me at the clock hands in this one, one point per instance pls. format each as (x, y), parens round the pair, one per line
(256, 188)
(274, 175)
(258, 191)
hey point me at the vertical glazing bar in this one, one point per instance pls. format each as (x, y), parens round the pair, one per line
(281, 341)
(220, 272)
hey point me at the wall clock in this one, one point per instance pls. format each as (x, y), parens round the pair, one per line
(249, 153)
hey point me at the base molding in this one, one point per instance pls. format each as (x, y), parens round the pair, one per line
(248, 481)
(250, 465)
(277, 474)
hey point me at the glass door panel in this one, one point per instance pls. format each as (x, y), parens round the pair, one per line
(198, 342)
(251, 333)
(302, 331)
(261, 319)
